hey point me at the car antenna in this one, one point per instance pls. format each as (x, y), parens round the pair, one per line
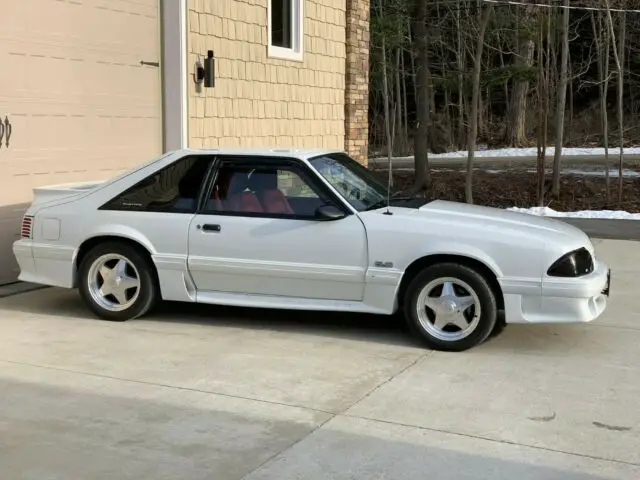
(390, 180)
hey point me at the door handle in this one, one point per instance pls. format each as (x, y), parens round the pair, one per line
(7, 130)
(208, 227)
(1, 132)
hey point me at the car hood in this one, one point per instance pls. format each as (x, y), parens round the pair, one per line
(496, 221)
(512, 244)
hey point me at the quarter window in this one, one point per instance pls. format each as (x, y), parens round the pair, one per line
(285, 24)
(263, 190)
(174, 189)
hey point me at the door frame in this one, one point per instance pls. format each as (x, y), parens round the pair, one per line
(320, 187)
(174, 73)
(257, 160)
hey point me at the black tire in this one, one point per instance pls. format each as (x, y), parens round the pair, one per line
(149, 290)
(473, 279)
(499, 327)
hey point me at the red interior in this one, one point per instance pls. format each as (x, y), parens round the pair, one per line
(257, 192)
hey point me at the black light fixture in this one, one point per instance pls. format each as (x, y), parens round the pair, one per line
(210, 70)
(206, 73)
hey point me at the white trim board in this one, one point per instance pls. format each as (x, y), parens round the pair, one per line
(175, 113)
(296, 53)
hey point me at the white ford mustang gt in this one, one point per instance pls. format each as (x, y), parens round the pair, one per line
(307, 230)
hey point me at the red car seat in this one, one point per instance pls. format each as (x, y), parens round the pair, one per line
(239, 199)
(265, 186)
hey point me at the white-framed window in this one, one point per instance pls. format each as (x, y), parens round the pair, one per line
(285, 29)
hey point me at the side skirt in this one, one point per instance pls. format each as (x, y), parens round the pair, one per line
(176, 284)
(285, 303)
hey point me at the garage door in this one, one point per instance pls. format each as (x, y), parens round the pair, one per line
(80, 97)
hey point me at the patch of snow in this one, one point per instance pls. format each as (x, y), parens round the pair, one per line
(601, 214)
(533, 151)
(613, 173)
(527, 152)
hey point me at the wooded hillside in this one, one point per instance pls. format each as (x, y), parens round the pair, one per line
(447, 74)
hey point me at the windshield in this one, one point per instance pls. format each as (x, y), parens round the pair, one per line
(356, 183)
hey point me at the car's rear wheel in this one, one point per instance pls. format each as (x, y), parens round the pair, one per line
(117, 281)
(450, 307)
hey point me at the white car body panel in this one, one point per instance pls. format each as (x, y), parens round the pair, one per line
(282, 257)
(353, 264)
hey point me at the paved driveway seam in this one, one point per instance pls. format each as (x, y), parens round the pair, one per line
(428, 353)
(164, 385)
(489, 439)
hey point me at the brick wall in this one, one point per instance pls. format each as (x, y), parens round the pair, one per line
(262, 101)
(357, 79)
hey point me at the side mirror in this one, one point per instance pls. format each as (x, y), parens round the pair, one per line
(329, 212)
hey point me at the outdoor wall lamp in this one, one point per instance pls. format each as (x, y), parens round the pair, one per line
(206, 72)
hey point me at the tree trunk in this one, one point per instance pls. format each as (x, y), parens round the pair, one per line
(398, 105)
(405, 110)
(413, 51)
(543, 104)
(475, 100)
(506, 84)
(570, 92)
(460, 59)
(617, 52)
(561, 100)
(448, 125)
(421, 139)
(621, 49)
(387, 116)
(516, 134)
(447, 117)
(601, 36)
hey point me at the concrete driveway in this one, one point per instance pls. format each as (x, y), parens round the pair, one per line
(217, 393)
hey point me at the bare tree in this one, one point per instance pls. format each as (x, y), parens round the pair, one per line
(387, 116)
(421, 139)
(562, 99)
(460, 62)
(543, 101)
(398, 102)
(621, 48)
(405, 109)
(429, 103)
(617, 50)
(515, 133)
(601, 36)
(475, 101)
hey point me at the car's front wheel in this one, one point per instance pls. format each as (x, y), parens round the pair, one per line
(117, 281)
(450, 307)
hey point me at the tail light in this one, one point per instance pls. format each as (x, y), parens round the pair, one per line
(27, 227)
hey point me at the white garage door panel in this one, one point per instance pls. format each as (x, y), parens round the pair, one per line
(80, 103)
(74, 89)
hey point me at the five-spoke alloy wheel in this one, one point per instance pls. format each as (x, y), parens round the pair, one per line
(117, 282)
(450, 307)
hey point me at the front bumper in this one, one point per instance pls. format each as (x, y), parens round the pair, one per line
(562, 300)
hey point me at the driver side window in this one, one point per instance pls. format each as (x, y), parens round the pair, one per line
(269, 190)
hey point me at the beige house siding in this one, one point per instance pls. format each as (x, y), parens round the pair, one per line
(263, 101)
